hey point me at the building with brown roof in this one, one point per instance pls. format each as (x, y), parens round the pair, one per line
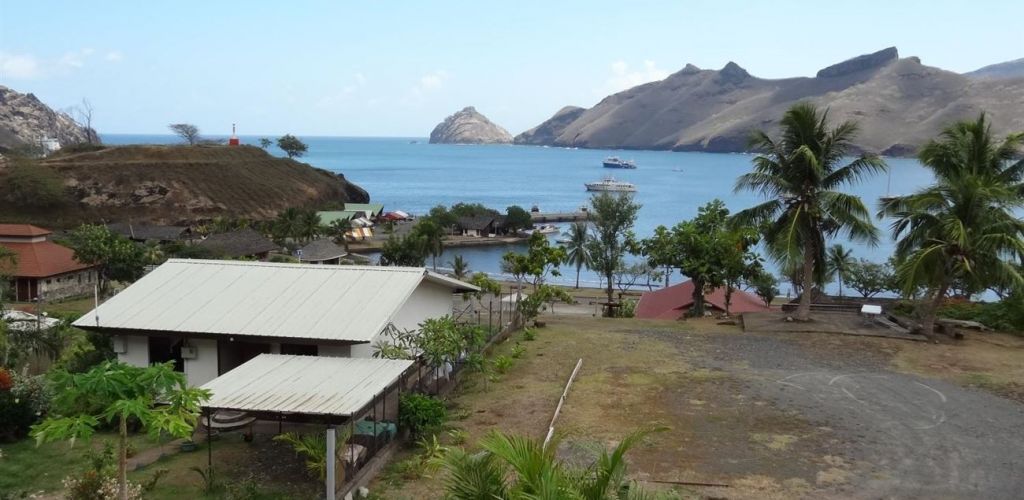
(42, 269)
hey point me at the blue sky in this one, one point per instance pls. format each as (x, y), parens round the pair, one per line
(396, 68)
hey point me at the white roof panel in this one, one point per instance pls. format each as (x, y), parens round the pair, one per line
(311, 385)
(320, 302)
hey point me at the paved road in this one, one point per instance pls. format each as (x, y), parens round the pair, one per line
(910, 437)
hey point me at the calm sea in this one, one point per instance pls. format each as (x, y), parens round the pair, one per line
(409, 174)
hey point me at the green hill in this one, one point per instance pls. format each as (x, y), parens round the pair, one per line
(169, 185)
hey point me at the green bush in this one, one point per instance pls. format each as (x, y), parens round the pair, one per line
(421, 414)
(518, 350)
(502, 363)
(34, 186)
(529, 334)
(627, 309)
(23, 402)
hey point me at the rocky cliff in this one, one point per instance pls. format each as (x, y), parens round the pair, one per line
(24, 120)
(179, 185)
(899, 104)
(469, 127)
(1008, 69)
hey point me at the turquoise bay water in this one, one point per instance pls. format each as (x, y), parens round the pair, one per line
(409, 174)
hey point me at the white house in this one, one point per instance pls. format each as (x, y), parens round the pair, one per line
(210, 316)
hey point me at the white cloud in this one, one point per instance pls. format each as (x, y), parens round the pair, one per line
(342, 95)
(114, 56)
(18, 66)
(623, 77)
(431, 81)
(74, 59)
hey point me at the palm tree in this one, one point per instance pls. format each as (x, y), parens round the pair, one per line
(577, 251)
(962, 228)
(433, 238)
(838, 262)
(519, 467)
(338, 228)
(309, 225)
(287, 223)
(801, 173)
(460, 268)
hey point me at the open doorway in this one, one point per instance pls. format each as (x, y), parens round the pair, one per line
(164, 349)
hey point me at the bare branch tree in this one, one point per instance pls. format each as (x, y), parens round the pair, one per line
(85, 120)
(187, 131)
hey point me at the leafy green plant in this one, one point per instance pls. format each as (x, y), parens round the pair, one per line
(529, 334)
(457, 437)
(420, 413)
(627, 309)
(209, 479)
(502, 364)
(517, 351)
(313, 446)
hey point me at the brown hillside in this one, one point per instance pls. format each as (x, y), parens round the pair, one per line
(182, 184)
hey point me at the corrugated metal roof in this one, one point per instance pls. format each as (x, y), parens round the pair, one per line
(310, 385)
(307, 301)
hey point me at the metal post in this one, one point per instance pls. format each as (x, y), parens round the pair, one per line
(490, 314)
(375, 424)
(352, 432)
(209, 447)
(279, 419)
(331, 453)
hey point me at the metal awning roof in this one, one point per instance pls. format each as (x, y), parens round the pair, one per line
(307, 385)
(287, 301)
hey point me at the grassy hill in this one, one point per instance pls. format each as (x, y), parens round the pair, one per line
(170, 185)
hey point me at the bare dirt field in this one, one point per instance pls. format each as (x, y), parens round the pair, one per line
(772, 415)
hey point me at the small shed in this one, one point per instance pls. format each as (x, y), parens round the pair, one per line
(326, 251)
(480, 225)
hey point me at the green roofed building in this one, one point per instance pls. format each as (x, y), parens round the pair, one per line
(369, 210)
(330, 216)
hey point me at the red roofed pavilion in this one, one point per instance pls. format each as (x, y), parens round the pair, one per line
(42, 268)
(674, 301)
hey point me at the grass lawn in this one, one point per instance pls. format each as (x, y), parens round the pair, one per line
(30, 468)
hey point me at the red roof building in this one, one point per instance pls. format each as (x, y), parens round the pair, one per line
(42, 268)
(674, 301)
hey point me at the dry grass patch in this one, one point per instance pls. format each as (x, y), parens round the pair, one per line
(989, 361)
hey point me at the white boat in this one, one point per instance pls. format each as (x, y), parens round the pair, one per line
(610, 184)
(547, 229)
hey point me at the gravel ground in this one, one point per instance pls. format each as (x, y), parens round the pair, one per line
(900, 435)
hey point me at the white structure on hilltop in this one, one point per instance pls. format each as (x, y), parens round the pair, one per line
(210, 316)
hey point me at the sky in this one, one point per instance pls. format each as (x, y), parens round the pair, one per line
(397, 68)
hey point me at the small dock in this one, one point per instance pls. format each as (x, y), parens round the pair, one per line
(558, 216)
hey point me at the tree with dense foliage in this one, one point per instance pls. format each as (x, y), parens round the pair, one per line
(660, 251)
(463, 209)
(540, 260)
(612, 217)
(156, 397)
(517, 218)
(116, 257)
(288, 223)
(764, 285)
(577, 248)
(409, 250)
(708, 251)
(838, 260)
(292, 146)
(964, 226)
(188, 132)
(265, 143)
(802, 173)
(511, 466)
(868, 278)
(442, 217)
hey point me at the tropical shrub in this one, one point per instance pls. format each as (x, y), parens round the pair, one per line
(518, 350)
(420, 413)
(529, 334)
(502, 364)
(627, 309)
(313, 447)
(16, 416)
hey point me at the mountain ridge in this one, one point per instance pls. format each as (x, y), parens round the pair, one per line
(899, 103)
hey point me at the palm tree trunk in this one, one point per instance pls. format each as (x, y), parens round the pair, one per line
(840, 286)
(803, 311)
(578, 277)
(122, 461)
(928, 322)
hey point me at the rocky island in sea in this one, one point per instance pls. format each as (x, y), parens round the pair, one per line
(469, 127)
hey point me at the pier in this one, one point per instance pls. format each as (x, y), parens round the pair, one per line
(558, 216)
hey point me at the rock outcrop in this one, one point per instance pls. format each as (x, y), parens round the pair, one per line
(546, 132)
(899, 104)
(25, 120)
(469, 127)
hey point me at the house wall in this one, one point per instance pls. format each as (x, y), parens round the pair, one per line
(136, 350)
(429, 300)
(67, 285)
(203, 368)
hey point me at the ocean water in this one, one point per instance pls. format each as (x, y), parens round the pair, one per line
(411, 175)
